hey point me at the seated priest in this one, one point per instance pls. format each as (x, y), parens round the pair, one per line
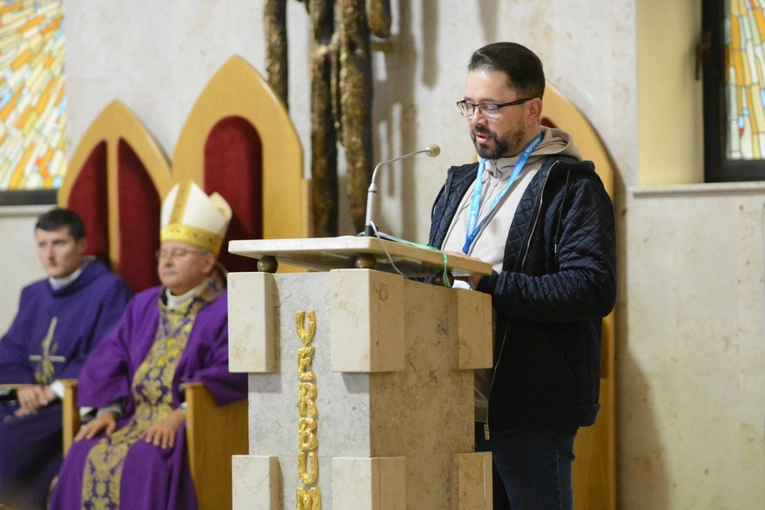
(60, 320)
(132, 455)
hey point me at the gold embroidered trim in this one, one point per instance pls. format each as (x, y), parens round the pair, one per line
(152, 391)
(181, 199)
(191, 235)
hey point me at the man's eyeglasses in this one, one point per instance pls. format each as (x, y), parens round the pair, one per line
(176, 253)
(486, 109)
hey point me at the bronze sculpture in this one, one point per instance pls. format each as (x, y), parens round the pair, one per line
(341, 95)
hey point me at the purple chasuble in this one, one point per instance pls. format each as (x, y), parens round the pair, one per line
(50, 339)
(150, 477)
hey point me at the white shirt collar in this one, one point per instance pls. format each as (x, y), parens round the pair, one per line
(60, 283)
(174, 301)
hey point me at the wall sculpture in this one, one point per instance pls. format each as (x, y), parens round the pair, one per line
(341, 95)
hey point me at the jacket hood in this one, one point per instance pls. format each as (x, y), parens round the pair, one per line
(555, 142)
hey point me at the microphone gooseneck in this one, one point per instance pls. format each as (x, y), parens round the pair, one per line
(432, 150)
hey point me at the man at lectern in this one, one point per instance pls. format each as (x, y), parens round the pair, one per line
(133, 454)
(541, 216)
(61, 319)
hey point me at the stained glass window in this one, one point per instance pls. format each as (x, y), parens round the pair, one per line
(745, 78)
(32, 95)
(732, 54)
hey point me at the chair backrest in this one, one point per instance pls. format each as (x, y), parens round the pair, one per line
(238, 140)
(115, 180)
(560, 112)
(594, 472)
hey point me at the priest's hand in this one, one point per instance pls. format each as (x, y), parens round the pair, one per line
(162, 434)
(33, 398)
(107, 421)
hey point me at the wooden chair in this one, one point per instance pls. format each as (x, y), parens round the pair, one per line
(594, 473)
(239, 141)
(70, 413)
(12, 386)
(213, 435)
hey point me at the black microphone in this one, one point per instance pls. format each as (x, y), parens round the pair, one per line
(432, 150)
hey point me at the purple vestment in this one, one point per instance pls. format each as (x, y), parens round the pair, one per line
(150, 477)
(49, 339)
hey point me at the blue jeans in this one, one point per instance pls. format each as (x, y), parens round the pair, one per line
(532, 467)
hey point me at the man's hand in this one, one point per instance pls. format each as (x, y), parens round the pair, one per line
(471, 280)
(33, 398)
(91, 429)
(474, 280)
(162, 434)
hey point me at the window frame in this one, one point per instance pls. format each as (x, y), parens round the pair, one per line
(711, 51)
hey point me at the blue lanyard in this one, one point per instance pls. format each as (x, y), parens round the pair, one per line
(475, 203)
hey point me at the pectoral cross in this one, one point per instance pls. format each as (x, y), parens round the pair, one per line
(46, 372)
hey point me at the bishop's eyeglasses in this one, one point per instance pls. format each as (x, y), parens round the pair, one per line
(176, 253)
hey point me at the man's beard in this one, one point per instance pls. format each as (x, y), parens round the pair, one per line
(506, 146)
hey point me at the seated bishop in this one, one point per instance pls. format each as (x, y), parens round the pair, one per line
(132, 455)
(61, 319)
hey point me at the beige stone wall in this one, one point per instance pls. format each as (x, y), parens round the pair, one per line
(669, 98)
(691, 349)
(20, 264)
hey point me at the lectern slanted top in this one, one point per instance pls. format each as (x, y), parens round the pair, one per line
(327, 253)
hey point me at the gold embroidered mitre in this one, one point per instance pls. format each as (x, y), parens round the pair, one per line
(190, 216)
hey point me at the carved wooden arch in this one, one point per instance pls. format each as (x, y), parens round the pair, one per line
(238, 140)
(562, 113)
(238, 90)
(595, 449)
(115, 181)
